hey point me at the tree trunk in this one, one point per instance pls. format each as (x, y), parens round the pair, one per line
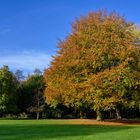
(82, 114)
(111, 115)
(99, 115)
(37, 104)
(118, 114)
(37, 115)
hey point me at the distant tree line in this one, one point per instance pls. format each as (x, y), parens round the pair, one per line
(19, 95)
(95, 73)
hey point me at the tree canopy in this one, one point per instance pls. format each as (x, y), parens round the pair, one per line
(8, 91)
(31, 97)
(97, 65)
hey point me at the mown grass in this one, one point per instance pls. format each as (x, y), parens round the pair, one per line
(63, 130)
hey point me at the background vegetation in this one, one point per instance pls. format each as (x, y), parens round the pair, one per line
(95, 73)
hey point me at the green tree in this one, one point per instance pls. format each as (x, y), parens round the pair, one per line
(32, 94)
(19, 75)
(8, 91)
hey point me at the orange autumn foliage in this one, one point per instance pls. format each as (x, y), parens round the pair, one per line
(97, 65)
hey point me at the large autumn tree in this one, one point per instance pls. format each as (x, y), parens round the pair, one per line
(97, 65)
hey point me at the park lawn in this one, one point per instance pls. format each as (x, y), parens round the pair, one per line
(64, 130)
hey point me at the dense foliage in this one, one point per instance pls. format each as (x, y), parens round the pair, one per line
(8, 91)
(97, 66)
(31, 97)
(96, 72)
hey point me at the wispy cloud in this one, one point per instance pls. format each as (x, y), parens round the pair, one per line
(5, 31)
(26, 61)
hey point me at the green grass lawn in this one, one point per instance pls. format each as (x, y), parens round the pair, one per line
(63, 130)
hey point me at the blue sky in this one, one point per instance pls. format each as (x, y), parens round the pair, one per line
(30, 29)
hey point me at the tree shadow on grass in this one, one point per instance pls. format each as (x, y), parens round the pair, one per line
(49, 131)
(124, 121)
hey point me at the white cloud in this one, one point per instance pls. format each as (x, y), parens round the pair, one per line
(26, 61)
